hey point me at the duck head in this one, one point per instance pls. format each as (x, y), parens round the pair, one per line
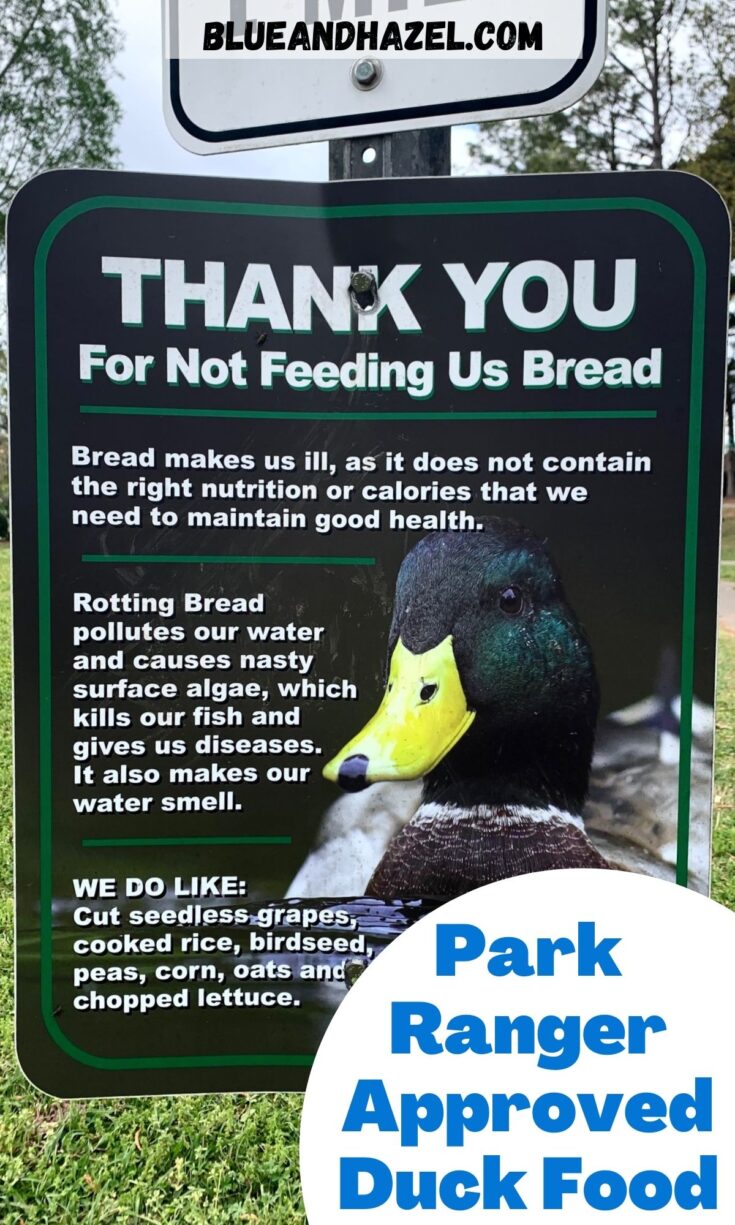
(491, 694)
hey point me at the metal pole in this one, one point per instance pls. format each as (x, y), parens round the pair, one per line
(397, 155)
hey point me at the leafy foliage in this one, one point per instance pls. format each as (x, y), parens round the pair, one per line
(654, 102)
(716, 162)
(56, 105)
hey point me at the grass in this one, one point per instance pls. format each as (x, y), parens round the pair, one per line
(191, 1161)
(723, 862)
(727, 569)
(178, 1161)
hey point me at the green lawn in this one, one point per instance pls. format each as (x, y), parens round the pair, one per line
(723, 868)
(180, 1160)
(187, 1161)
(728, 542)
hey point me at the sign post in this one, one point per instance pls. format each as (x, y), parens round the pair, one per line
(398, 155)
(255, 501)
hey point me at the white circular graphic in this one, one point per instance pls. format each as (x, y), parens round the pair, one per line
(553, 1047)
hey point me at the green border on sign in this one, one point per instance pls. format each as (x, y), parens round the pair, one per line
(323, 213)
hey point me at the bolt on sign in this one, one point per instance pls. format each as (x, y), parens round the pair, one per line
(239, 74)
(365, 550)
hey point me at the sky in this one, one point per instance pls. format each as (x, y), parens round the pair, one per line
(143, 138)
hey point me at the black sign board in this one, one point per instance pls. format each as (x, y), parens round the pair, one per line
(256, 499)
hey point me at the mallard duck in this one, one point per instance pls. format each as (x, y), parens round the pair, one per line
(492, 701)
(632, 810)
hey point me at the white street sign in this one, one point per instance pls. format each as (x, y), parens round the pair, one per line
(243, 74)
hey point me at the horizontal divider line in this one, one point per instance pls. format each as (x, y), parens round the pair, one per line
(275, 840)
(622, 414)
(136, 559)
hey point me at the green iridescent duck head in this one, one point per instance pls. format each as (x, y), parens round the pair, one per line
(491, 693)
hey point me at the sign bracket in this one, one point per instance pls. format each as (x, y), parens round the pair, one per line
(394, 155)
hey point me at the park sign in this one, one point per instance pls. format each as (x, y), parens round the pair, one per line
(242, 74)
(365, 549)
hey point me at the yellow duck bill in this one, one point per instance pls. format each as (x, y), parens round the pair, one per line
(422, 715)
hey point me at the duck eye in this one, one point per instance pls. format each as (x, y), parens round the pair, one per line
(427, 692)
(511, 602)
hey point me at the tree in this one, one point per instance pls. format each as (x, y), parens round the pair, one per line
(715, 38)
(56, 108)
(56, 105)
(648, 105)
(716, 162)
